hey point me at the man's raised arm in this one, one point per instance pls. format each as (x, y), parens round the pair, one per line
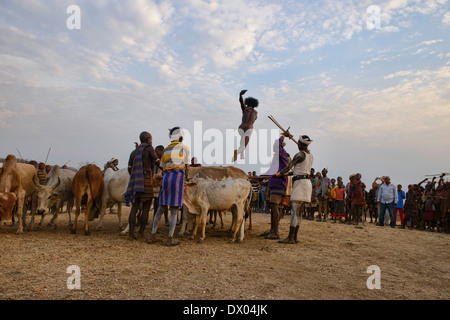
(241, 99)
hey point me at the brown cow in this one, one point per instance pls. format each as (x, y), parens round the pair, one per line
(87, 186)
(18, 178)
(7, 201)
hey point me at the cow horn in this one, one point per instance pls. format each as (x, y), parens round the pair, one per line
(57, 184)
(36, 182)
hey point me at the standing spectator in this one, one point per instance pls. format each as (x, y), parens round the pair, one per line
(357, 194)
(376, 186)
(399, 207)
(388, 198)
(348, 199)
(323, 195)
(277, 186)
(42, 177)
(255, 194)
(409, 207)
(141, 165)
(194, 162)
(175, 158)
(428, 214)
(372, 203)
(339, 211)
(312, 204)
(263, 197)
(41, 173)
(429, 207)
(157, 185)
(332, 198)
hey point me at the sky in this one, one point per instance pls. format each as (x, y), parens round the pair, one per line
(370, 88)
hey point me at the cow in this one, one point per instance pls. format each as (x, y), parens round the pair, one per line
(18, 178)
(7, 202)
(215, 173)
(55, 193)
(87, 187)
(201, 195)
(115, 186)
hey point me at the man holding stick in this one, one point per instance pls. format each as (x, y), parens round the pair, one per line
(302, 187)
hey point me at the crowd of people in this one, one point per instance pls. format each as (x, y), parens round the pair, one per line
(290, 186)
(422, 206)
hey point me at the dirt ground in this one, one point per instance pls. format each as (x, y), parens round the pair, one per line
(330, 262)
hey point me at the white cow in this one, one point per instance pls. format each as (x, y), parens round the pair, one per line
(116, 183)
(201, 195)
(215, 173)
(54, 194)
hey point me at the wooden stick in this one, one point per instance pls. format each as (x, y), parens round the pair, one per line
(281, 128)
(19, 153)
(48, 153)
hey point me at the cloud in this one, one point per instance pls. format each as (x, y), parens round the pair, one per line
(416, 100)
(228, 32)
(429, 42)
(147, 65)
(446, 19)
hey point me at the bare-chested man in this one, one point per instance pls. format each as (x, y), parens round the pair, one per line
(249, 115)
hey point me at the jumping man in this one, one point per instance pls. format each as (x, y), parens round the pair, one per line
(249, 115)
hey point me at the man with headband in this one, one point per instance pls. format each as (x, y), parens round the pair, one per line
(174, 160)
(302, 187)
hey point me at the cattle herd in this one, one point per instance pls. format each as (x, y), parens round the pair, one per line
(207, 188)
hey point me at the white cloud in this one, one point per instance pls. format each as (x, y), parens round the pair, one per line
(228, 32)
(446, 19)
(390, 29)
(429, 42)
(138, 65)
(418, 99)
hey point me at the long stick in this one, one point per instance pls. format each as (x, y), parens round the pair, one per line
(19, 153)
(437, 175)
(46, 159)
(281, 128)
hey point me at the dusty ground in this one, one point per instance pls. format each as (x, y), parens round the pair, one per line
(330, 262)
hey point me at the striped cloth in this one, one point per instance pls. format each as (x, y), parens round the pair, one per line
(175, 156)
(172, 188)
(148, 193)
(136, 182)
(279, 189)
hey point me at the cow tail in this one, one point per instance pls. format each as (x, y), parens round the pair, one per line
(247, 203)
(90, 186)
(95, 209)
